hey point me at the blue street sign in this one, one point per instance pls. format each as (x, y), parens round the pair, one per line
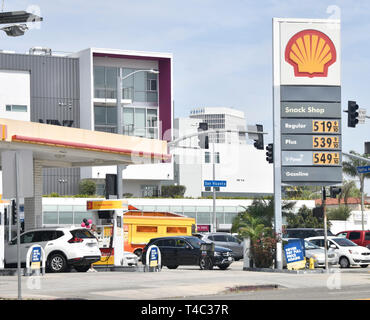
(215, 183)
(364, 169)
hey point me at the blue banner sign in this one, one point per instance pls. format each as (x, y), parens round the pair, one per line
(215, 183)
(294, 251)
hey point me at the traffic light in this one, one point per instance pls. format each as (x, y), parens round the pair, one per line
(270, 153)
(334, 191)
(259, 142)
(203, 138)
(352, 114)
(14, 212)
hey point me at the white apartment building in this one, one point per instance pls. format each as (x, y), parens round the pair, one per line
(245, 169)
(222, 118)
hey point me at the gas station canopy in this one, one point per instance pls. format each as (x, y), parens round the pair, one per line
(58, 146)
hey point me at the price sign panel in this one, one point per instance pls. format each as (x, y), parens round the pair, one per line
(307, 101)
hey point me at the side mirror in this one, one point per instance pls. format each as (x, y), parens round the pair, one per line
(333, 246)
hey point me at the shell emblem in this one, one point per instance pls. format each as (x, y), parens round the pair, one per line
(310, 52)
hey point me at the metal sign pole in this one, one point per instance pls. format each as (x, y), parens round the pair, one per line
(277, 143)
(18, 227)
(325, 228)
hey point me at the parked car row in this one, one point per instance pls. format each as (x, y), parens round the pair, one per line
(347, 248)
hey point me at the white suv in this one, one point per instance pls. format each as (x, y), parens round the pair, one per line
(64, 247)
(349, 253)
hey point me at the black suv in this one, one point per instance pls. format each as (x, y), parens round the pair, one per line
(303, 233)
(186, 250)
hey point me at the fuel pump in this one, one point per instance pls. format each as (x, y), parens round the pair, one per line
(108, 215)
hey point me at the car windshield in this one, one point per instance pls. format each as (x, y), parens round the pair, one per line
(195, 242)
(344, 242)
(309, 245)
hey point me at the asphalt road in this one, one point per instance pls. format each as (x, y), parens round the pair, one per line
(193, 283)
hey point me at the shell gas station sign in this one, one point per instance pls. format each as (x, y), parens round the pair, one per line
(307, 101)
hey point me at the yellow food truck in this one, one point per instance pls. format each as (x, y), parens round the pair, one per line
(141, 226)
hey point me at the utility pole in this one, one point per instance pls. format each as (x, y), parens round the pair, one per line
(214, 188)
(325, 228)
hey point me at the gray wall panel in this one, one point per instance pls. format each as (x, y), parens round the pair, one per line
(54, 80)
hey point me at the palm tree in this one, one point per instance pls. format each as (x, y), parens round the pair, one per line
(348, 188)
(350, 168)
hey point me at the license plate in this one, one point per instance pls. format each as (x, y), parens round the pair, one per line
(91, 244)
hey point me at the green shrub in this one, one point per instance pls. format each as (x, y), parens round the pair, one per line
(173, 191)
(87, 187)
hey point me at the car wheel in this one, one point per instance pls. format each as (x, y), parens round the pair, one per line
(57, 263)
(223, 266)
(139, 253)
(364, 265)
(172, 267)
(344, 262)
(82, 268)
(205, 263)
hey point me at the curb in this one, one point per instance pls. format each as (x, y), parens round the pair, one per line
(11, 272)
(315, 271)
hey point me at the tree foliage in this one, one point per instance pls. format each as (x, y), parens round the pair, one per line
(340, 213)
(256, 223)
(304, 218)
(87, 187)
(173, 191)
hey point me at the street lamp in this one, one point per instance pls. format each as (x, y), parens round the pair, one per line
(17, 22)
(119, 117)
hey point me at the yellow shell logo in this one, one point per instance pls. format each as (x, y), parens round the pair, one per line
(310, 52)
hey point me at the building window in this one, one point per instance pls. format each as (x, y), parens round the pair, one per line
(176, 230)
(16, 108)
(141, 122)
(150, 191)
(207, 157)
(105, 82)
(217, 157)
(140, 87)
(105, 118)
(151, 229)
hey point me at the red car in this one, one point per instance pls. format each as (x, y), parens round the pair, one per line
(360, 237)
